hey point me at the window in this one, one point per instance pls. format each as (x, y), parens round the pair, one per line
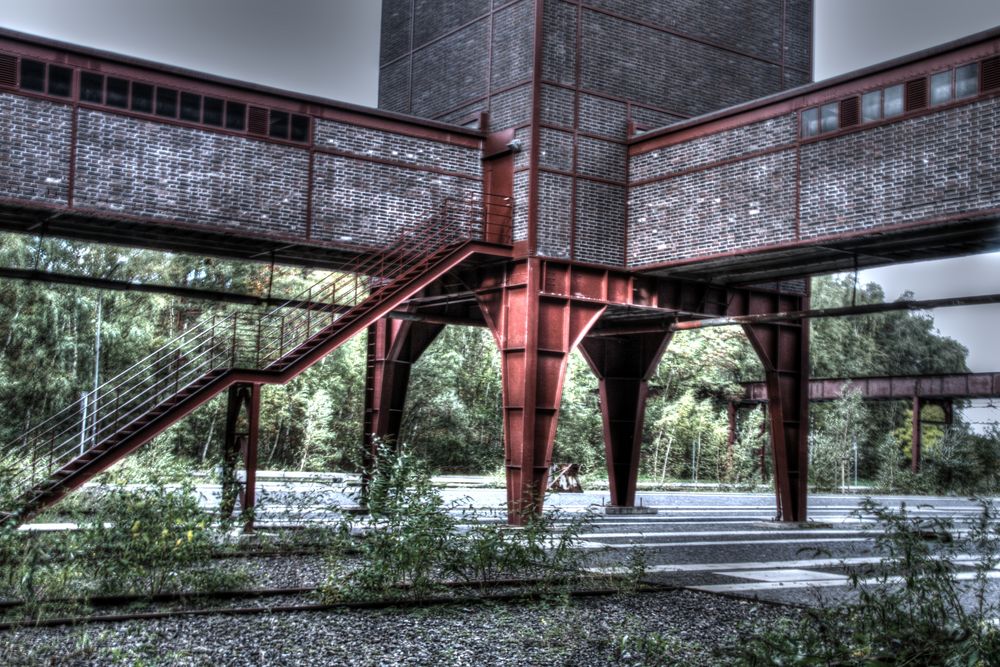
(213, 112)
(810, 122)
(300, 128)
(32, 75)
(829, 117)
(892, 102)
(190, 107)
(60, 81)
(166, 102)
(967, 81)
(142, 97)
(91, 88)
(97, 88)
(279, 125)
(941, 87)
(235, 116)
(117, 93)
(871, 106)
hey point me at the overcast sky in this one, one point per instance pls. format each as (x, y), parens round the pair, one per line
(330, 48)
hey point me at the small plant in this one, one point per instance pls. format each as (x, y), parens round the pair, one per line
(912, 609)
(412, 540)
(151, 539)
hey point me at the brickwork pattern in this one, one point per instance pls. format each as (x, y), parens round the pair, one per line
(511, 108)
(394, 86)
(763, 135)
(738, 206)
(924, 167)
(513, 45)
(143, 168)
(752, 26)
(557, 106)
(554, 206)
(600, 223)
(451, 71)
(668, 72)
(34, 149)
(559, 47)
(371, 143)
(607, 118)
(434, 18)
(556, 150)
(370, 204)
(395, 30)
(602, 159)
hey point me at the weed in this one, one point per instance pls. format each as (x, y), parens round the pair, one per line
(911, 609)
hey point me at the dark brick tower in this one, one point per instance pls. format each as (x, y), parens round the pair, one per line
(574, 89)
(567, 83)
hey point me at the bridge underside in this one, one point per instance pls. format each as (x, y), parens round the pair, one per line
(961, 236)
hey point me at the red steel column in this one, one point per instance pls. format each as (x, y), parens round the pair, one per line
(249, 451)
(240, 440)
(393, 347)
(916, 444)
(623, 365)
(783, 349)
(535, 333)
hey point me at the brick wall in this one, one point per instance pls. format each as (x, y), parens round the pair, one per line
(34, 149)
(368, 184)
(148, 169)
(924, 167)
(756, 185)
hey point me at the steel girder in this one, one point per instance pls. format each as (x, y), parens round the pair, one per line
(623, 365)
(393, 347)
(536, 323)
(240, 441)
(783, 349)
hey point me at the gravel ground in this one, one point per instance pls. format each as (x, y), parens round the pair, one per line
(688, 626)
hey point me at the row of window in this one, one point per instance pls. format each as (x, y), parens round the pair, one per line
(952, 84)
(162, 101)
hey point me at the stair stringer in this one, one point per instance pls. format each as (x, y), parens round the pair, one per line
(345, 328)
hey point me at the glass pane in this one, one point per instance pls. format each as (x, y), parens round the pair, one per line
(91, 87)
(236, 114)
(117, 92)
(871, 106)
(213, 112)
(32, 75)
(830, 117)
(142, 97)
(810, 122)
(166, 102)
(60, 81)
(967, 81)
(190, 107)
(941, 87)
(892, 104)
(300, 128)
(279, 125)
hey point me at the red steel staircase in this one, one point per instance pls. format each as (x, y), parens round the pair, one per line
(67, 449)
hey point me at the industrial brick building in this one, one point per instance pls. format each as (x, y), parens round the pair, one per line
(572, 174)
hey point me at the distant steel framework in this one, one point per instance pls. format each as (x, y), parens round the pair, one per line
(572, 174)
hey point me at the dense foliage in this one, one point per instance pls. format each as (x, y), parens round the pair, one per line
(453, 417)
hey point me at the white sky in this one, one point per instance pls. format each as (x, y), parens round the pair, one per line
(330, 48)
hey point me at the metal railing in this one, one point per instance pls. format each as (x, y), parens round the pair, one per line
(271, 341)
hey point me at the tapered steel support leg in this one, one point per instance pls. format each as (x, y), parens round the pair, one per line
(240, 441)
(535, 332)
(783, 349)
(623, 365)
(393, 347)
